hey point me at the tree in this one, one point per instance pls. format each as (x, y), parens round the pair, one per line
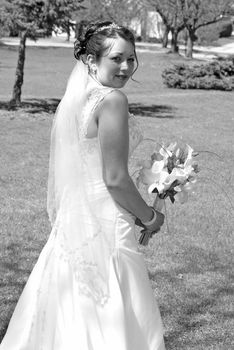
(64, 11)
(121, 11)
(169, 10)
(31, 18)
(199, 13)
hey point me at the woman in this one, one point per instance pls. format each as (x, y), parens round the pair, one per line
(89, 289)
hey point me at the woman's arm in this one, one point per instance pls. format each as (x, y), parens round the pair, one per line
(112, 117)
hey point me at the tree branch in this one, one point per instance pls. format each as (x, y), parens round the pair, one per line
(215, 20)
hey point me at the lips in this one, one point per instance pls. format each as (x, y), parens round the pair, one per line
(122, 77)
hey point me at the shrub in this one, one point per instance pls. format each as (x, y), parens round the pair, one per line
(226, 30)
(216, 75)
(214, 31)
(154, 40)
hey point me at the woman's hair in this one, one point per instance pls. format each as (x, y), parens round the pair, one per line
(93, 39)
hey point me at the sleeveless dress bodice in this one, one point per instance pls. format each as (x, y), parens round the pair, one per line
(91, 151)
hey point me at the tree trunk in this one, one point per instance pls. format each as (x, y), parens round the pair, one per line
(19, 79)
(174, 44)
(190, 42)
(144, 36)
(68, 30)
(165, 36)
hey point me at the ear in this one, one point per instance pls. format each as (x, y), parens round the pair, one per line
(91, 60)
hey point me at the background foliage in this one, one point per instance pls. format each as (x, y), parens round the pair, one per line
(214, 31)
(216, 75)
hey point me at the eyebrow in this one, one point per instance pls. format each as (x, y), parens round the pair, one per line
(120, 53)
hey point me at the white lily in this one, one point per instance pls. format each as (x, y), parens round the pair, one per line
(177, 152)
(172, 147)
(158, 166)
(189, 159)
(159, 182)
(158, 177)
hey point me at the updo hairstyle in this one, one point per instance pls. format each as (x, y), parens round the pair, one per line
(92, 41)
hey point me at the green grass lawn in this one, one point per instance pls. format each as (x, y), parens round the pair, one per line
(191, 264)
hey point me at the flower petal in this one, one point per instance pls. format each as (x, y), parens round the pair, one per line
(189, 157)
(177, 152)
(160, 187)
(163, 176)
(178, 174)
(165, 152)
(152, 187)
(172, 146)
(158, 166)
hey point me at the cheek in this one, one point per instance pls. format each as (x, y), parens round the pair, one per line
(133, 66)
(108, 69)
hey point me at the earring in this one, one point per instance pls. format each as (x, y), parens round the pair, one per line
(93, 69)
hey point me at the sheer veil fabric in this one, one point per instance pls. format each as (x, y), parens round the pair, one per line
(82, 234)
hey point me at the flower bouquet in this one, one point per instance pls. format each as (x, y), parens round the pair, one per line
(171, 172)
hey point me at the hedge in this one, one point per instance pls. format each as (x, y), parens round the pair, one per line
(216, 75)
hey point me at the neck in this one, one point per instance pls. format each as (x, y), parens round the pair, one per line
(95, 79)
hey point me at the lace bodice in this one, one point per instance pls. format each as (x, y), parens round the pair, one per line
(95, 96)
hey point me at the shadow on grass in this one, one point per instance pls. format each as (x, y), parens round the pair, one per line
(33, 105)
(153, 111)
(15, 264)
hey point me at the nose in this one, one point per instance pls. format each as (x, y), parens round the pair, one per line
(124, 65)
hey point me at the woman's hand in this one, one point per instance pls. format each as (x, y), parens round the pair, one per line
(139, 223)
(156, 222)
(151, 227)
(154, 227)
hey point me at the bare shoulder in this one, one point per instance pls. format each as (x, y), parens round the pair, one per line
(116, 100)
(116, 96)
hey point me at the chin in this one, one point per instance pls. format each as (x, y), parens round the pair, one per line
(120, 84)
(116, 84)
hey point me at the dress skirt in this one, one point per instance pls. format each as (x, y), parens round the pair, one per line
(52, 315)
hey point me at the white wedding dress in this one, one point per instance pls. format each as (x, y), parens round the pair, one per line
(52, 313)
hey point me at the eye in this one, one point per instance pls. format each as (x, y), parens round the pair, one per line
(131, 59)
(116, 59)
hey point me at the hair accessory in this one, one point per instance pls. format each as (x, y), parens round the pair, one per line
(109, 26)
(79, 48)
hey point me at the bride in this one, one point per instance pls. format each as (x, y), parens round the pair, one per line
(89, 289)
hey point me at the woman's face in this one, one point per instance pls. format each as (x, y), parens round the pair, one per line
(117, 64)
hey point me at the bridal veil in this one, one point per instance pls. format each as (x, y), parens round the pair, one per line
(84, 237)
